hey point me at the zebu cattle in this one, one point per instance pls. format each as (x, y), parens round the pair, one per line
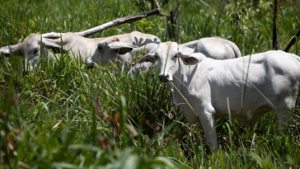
(202, 85)
(121, 49)
(36, 46)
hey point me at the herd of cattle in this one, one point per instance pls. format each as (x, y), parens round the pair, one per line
(208, 78)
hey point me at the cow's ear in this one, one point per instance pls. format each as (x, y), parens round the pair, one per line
(191, 59)
(54, 44)
(51, 43)
(121, 48)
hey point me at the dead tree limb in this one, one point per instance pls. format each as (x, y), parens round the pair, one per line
(7, 50)
(116, 22)
(292, 41)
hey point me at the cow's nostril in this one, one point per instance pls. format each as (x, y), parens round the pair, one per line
(163, 78)
(91, 66)
(160, 77)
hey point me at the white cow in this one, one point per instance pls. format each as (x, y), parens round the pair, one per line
(202, 85)
(120, 49)
(36, 46)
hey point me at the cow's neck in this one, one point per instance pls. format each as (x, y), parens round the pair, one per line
(183, 73)
(180, 82)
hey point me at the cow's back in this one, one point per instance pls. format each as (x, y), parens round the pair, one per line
(212, 47)
(137, 38)
(273, 79)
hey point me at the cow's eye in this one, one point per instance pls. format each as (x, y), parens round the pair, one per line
(99, 47)
(36, 50)
(175, 57)
(156, 57)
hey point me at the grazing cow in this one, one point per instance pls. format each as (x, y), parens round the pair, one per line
(36, 46)
(262, 82)
(120, 49)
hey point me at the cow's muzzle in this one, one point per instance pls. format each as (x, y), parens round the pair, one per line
(89, 63)
(163, 78)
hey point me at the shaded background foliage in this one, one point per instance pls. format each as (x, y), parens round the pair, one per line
(64, 115)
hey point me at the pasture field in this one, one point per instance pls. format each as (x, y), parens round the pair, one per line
(64, 115)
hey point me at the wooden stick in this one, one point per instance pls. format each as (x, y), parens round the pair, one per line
(119, 21)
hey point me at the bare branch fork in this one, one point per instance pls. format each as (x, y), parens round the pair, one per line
(292, 41)
(7, 50)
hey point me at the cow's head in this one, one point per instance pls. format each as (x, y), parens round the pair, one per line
(35, 47)
(110, 49)
(167, 56)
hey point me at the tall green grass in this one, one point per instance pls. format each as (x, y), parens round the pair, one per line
(64, 115)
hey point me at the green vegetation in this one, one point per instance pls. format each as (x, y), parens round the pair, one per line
(64, 115)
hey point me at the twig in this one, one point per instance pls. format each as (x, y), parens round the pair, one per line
(206, 4)
(292, 41)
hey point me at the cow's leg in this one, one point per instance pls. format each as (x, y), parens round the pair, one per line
(282, 118)
(283, 115)
(206, 116)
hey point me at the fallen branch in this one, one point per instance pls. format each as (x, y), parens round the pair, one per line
(292, 41)
(7, 50)
(116, 22)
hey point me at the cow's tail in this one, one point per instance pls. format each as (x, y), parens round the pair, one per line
(298, 59)
(235, 49)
